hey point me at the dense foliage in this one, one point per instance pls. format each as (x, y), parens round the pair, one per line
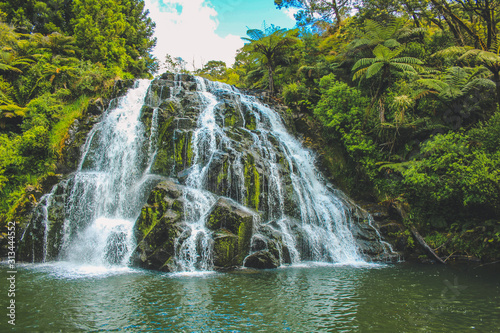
(54, 57)
(410, 91)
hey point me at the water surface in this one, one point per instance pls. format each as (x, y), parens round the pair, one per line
(307, 298)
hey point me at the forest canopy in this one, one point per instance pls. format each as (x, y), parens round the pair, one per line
(55, 56)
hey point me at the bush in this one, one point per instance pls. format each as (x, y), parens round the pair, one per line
(342, 109)
(458, 174)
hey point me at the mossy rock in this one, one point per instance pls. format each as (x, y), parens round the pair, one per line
(252, 182)
(31, 247)
(158, 226)
(157, 93)
(225, 250)
(232, 115)
(250, 122)
(235, 222)
(165, 161)
(217, 178)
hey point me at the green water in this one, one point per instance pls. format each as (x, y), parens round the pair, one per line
(391, 298)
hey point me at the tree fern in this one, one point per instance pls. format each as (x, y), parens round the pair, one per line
(374, 69)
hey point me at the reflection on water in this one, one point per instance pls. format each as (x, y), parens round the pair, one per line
(309, 298)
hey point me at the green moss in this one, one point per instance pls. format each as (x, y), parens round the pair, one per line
(245, 231)
(250, 122)
(189, 149)
(179, 145)
(256, 194)
(177, 206)
(252, 183)
(165, 128)
(148, 220)
(225, 250)
(230, 120)
(183, 152)
(59, 132)
(223, 174)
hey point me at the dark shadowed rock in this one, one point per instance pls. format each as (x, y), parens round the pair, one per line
(262, 260)
(233, 226)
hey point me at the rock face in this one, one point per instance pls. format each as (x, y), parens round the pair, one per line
(232, 225)
(161, 223)
(233, 189)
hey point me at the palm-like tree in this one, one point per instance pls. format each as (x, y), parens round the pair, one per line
(10, 62)
(489, 59)
(384, 65)
(457, 82)
(270, 47)
(389, 34)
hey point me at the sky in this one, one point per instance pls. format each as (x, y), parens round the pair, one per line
(203, 30)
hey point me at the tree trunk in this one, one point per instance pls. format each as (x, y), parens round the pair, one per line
(337, 14)
(271, 79)
(426, 246)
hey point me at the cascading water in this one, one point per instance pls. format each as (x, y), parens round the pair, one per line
(264, 171)
(107, 190)
(103, 198)
(322, 229)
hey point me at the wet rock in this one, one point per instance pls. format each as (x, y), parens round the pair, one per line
(46, 224)
(158, 226)
(262, 260)
(233, 225)
(390, 228)
(120, 87)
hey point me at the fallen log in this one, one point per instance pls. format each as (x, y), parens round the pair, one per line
(426, 246)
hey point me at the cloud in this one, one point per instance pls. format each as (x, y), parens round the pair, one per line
(290, 12)
(186, 28)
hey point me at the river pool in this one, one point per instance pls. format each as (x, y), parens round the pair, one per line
(313, 297)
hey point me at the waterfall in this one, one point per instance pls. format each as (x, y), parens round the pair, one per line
(320, 232)
(239, 150)
(105, 195)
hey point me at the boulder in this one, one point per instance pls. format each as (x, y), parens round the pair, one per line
(158, 226)
(232, 224)
(262, 260)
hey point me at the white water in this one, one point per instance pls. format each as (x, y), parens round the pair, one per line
(106, 193)
(323, 232)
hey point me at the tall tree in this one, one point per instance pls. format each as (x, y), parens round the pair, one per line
(384, 65)
(311, 11)
(270, 46)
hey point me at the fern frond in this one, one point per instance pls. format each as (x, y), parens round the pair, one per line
(403, 67)
(433, 84)
(382, 52)
(408, 60)
(359, 73)
(412, 32)
(422, 93)
(364, 62)
(452, 51)
(374, 69)
(254, 34)
(391, 43)
(479, 84)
